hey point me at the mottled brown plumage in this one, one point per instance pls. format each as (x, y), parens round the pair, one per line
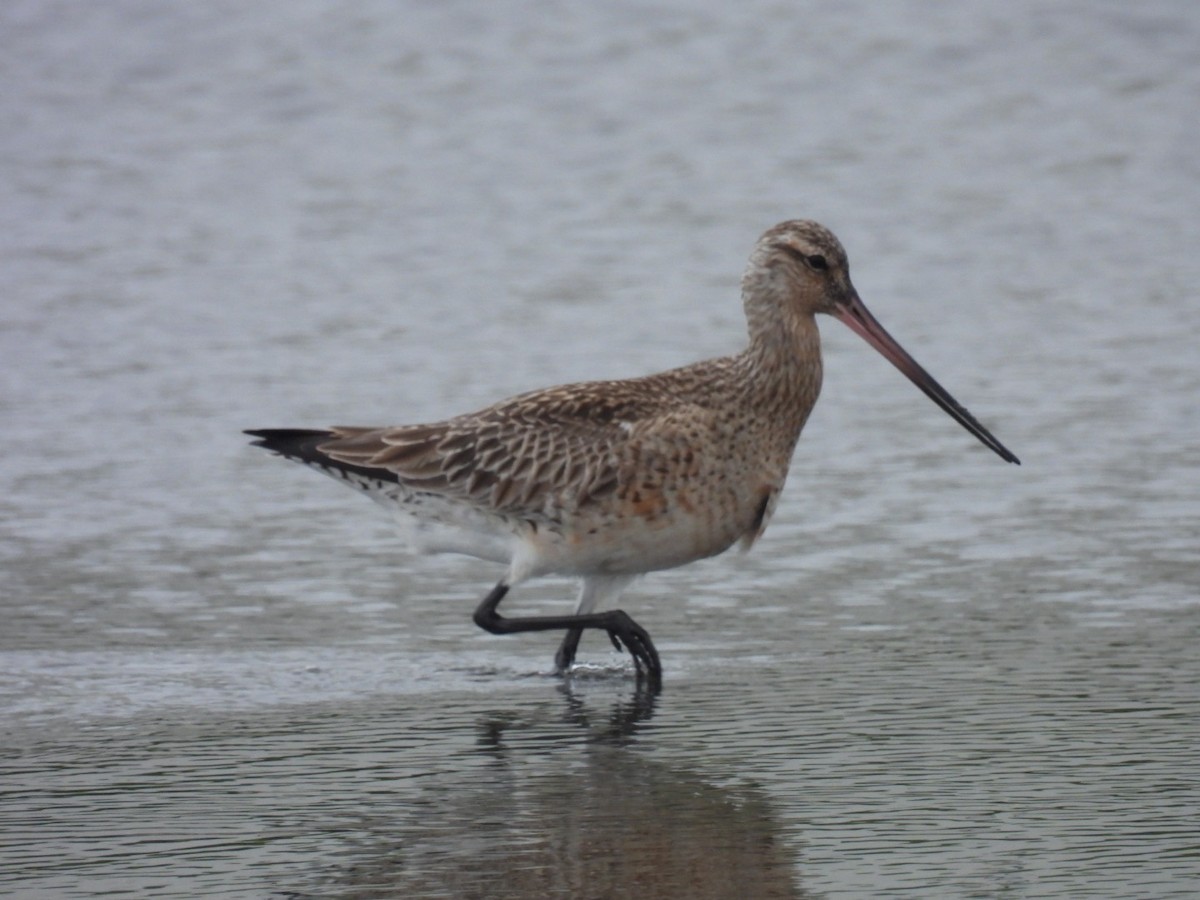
(606, 480)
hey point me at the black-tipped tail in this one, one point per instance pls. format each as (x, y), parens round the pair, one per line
(295, 443)
(304, 445)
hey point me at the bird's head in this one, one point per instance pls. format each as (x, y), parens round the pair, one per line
(799, 269)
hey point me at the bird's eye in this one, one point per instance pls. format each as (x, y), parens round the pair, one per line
(814, 261)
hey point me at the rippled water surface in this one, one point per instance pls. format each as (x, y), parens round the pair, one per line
(936, 675)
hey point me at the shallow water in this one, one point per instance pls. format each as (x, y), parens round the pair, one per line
(936, 675)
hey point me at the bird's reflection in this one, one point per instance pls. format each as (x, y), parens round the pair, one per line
(616, 725)
(623, 717)
(570, 800)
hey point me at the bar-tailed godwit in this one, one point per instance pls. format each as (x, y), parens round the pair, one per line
(607, 480)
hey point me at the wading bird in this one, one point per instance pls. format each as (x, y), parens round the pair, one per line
(607, 480)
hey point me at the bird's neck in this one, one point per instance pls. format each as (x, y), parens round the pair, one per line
(781, 366)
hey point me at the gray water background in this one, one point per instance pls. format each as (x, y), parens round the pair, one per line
(936, 676)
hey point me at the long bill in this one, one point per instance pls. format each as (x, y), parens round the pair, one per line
(856, 315)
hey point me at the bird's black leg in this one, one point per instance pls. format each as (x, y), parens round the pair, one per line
(565, 656)
(623, 631)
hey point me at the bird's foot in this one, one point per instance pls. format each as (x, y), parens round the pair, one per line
(626, 634)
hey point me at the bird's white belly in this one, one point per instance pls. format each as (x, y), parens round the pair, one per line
(582, 545)
(630, 547)
(432, 524)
